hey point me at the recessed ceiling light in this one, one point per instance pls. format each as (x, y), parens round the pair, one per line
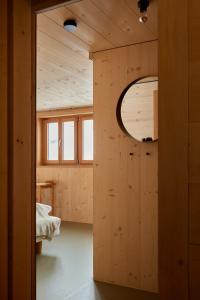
(70, 25)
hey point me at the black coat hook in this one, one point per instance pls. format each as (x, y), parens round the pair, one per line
(143, 5)
(148, 139)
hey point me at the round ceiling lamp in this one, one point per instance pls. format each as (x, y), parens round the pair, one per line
(70, 25)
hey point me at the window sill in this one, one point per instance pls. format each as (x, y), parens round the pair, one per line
(65, 166)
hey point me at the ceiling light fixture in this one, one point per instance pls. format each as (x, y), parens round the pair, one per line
(70, 25)
(143, 5)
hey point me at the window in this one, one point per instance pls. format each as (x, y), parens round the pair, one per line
(52, 134)
(68, 137)
(68, 140)
(86, 148)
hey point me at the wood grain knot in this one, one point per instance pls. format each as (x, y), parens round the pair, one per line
(181, 262)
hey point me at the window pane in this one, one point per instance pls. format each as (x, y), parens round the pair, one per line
(52, 141)
(87, 133)
(68, 140)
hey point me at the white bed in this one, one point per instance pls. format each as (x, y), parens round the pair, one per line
(47, 226)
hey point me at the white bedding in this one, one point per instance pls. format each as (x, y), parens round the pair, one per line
(46, 226)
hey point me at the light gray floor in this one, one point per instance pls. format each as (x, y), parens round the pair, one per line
(64, 270)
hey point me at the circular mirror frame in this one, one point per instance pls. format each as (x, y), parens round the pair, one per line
(119, 105)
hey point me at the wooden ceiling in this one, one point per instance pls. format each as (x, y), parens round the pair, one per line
(64, 71)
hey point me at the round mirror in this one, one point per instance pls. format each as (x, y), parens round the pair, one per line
(138, 109)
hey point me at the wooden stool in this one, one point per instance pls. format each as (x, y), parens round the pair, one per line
(46, 185)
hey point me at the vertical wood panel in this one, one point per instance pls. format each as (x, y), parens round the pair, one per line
(22, 150)
(194, 60)
(173, 149)
(125, 179)
(194, 148)
(73, 192)
(194, 272)
(194, 157)
(3, 151)
(194, 212)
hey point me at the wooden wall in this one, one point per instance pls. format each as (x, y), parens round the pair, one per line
(73, 200)
(173, 149)
(21, 152)
(3, 151)
(194, 148)
(125, 176)
(173, 206)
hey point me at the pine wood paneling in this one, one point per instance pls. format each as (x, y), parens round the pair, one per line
(3, 152)
(194, 150)
(64, 76)
(194, 272)
(73, 192)
(112, 20)
(122, 17)
(194, 189)
(152, 13)
(64, 68)
(194, 147)
(65, 112)
(46, 5)
(87, 35)
(173, 152)
(106, 24)
(125, 176)
(50, 28)
(194, 60)
(22, 150)
(173, 149)
(73, 185)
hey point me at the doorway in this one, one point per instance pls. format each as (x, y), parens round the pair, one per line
(64, 91)
(64, 157)
(22, 154)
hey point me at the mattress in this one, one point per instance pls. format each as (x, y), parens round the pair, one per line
(47, 226)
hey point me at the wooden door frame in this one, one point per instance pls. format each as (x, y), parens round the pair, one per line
(173, 162)
(174, 212)
(4, 150)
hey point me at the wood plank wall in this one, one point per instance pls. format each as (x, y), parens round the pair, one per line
(174, 206)
(173, 149)
(194, 149)
(3, 151)
(21, 149)
(125, 176)
(73, 201)
(73, 191)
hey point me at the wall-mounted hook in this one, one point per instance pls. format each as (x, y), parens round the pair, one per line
(148, 139)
